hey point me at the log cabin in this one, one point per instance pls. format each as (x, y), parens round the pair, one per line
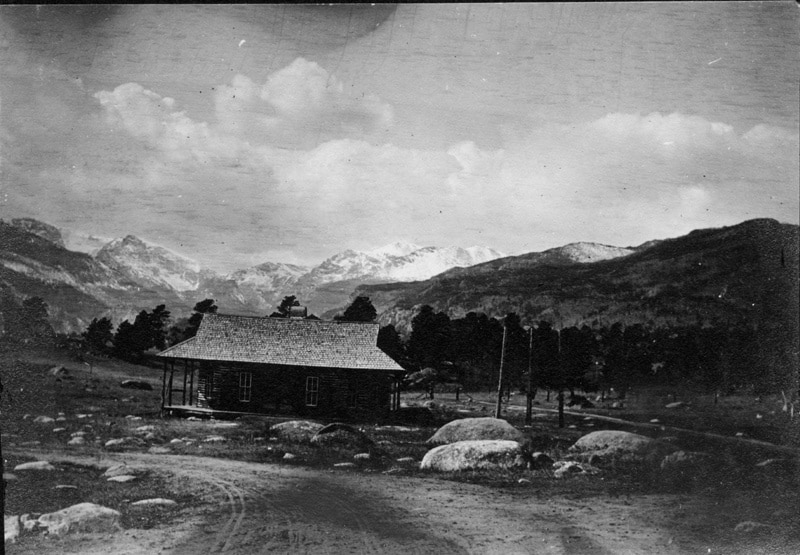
(282, 367)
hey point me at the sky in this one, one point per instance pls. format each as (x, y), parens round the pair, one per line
(242, 134)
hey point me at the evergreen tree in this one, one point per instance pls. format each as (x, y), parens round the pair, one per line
(361, 310)
(285, 307)
(98, 335)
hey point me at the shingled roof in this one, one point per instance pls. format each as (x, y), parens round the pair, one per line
(288, 341)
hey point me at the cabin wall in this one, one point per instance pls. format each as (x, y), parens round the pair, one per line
(273, 389)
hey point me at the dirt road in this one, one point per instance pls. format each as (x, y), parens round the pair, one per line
(262, 508)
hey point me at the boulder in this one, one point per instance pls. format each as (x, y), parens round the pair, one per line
(29, 522)
(35, 465)
(121, 469)
(564, 469)
(751, 527)
(60, 373)
(122, 479)
(83, 517)
(361, 456)
(675, 405)
(344, 465)
(43, 420)
(686, 463)
(158, 501)
(8, 477)
(116, 442)
(214, 439)
(296, 430)
(342, 434)
(466, 429)
(624, 446)
(142, 430)
(158, 450)
(474, 454)
(10, 528)
(77, 440)
(136, 384)
(289, 456)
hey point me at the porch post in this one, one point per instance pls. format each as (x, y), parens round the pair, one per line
(163, 385)
(191, 383)
(185, 371)
(171, 375)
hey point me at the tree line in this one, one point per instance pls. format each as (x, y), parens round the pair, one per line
(466, 352)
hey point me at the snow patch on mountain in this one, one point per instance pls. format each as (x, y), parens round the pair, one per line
(397, 249)
(269, 276)
(151, 264)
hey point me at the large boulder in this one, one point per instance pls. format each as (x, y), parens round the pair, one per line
(34, 465)
(474, 455)
(83, 517)
(296, 430)
(468, 429)
(342, 434)
(615, 445)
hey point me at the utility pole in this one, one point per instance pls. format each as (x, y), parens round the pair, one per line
(500, 379)
(529, 406)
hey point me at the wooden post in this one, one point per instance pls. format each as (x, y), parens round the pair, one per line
(560, 385)
(163, 386)
(499, 406)
(191, 383)
(171, 375)
(185, 372)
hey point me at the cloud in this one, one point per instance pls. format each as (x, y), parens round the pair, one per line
(301, 105)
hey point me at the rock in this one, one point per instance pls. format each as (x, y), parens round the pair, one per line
(474, 454)
(617, 405)
(159, 501)
(214, 439)
(58, 372)
(158, 450)
(65, 486)
(361, 456)
(675, 405)
(122, 479)
(625, 446)
(10, 529)
(686, 465)
(29, 522)
(35, 465)
(61, 419)
(77, 434)
(563, 469)
(82, 416)
(133, 418)
(8, 477)
(466, 429)
(43, 420)
(136, 384)
(344, 465)
(751, 527)
(523, 481)
(79, 440)
(296, 430)
(395, 429)
(341, 433)
(406, 460)
(192, 419)
(83, 517)
(121, 469)
(59, 430)
(141, 430)
(655, 421)
(540, 460)
(289, 456)
(176, 441)
(116, 442)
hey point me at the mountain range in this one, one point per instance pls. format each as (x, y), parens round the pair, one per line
(129, 274)
(742, 273)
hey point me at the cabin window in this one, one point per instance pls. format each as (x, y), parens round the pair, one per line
(312, 391)
(245, 386)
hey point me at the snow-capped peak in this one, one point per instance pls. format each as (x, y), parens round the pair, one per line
(398, 248)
